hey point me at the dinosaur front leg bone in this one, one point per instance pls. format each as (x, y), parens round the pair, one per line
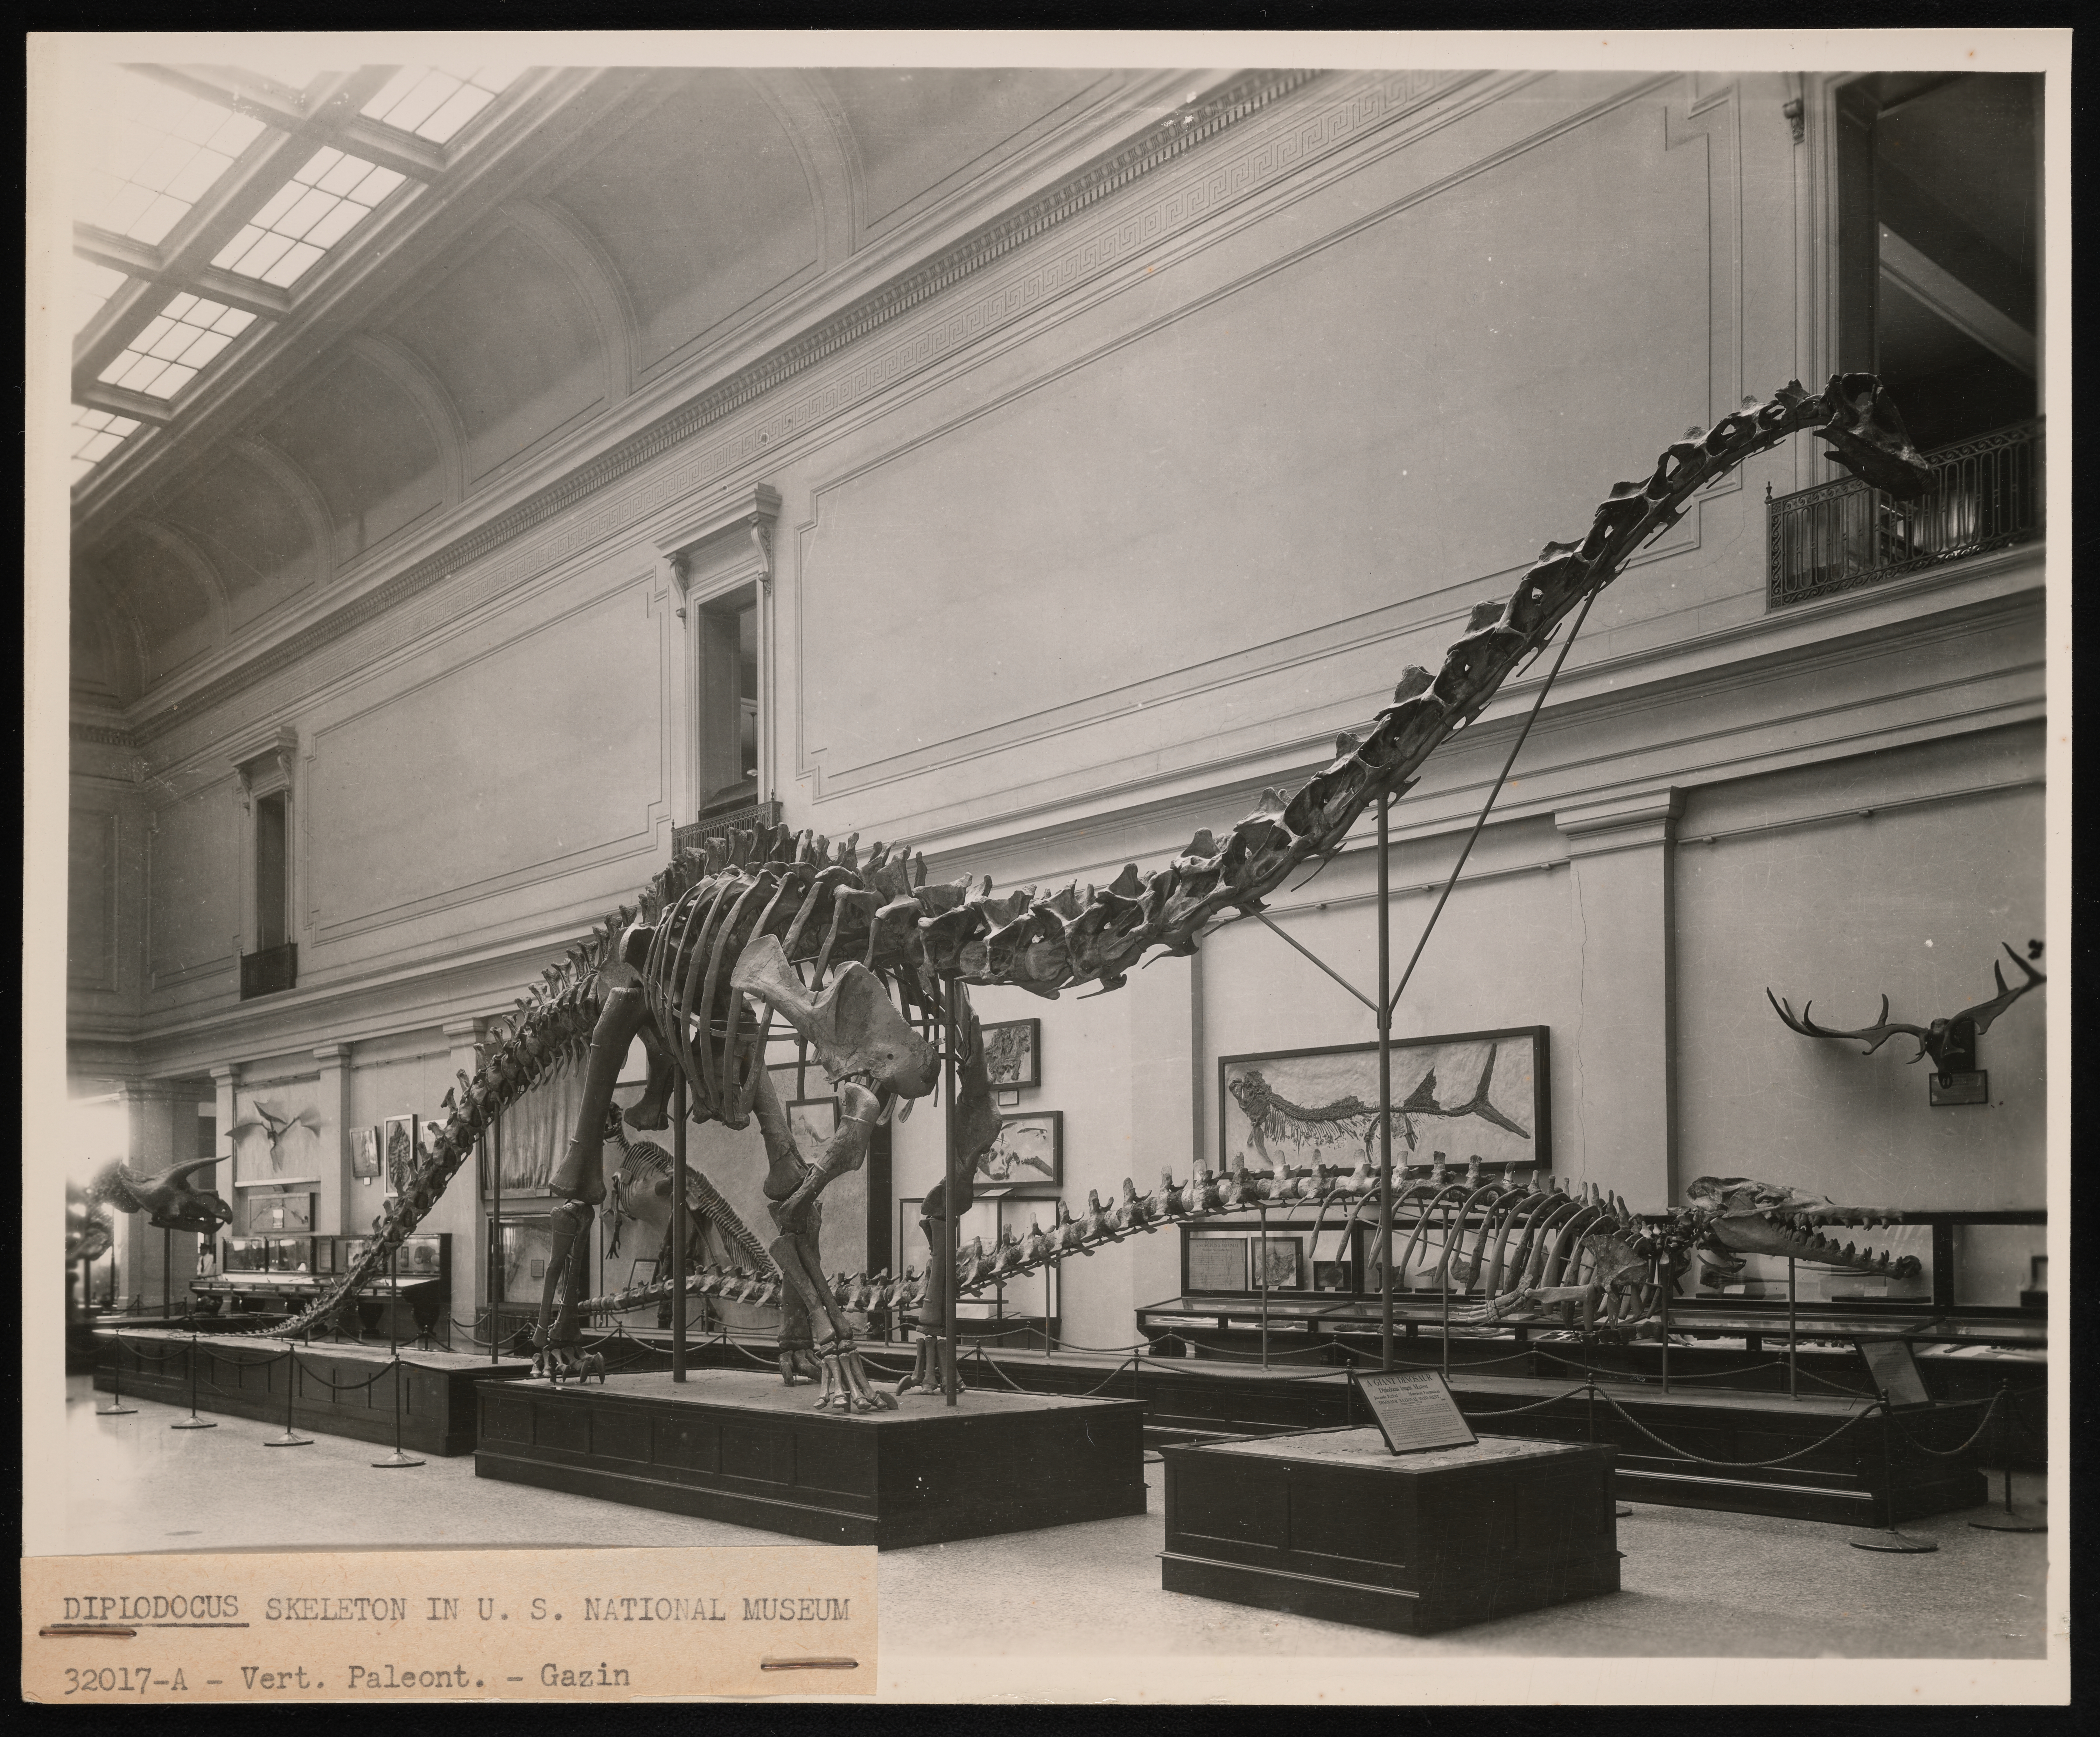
(558, 1342)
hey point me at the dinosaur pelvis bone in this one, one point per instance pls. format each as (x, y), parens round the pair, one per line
(851, 1026)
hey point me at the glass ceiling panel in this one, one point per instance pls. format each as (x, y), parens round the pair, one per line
(307, 216)
(436, 102)
(92, 285)
(168, 352)
(96, 434)
(153, 152)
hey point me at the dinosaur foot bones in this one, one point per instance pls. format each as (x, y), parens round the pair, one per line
(925, 1376)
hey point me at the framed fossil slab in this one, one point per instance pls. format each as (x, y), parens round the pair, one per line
(1029, 1153)
(1475, 1094)
(1013, 1053)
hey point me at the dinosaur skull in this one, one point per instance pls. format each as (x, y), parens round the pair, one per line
(850, 1025)
(172, 1202)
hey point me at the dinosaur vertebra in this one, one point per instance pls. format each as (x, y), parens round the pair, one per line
(742, 921)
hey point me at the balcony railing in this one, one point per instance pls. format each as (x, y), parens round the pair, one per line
(274, 968)
(720, 825)
(1986, 494)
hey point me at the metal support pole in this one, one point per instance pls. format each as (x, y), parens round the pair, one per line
(1444, 1291)
(1261, 1213)
(1385, 1090)
(167, 1272)
(490, 1150)
(1665, 1338)
(1793, 1337)
(678, 1225)
(952, 1228)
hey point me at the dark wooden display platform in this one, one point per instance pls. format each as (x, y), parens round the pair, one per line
(736, 1445)
(245, 1377)
(1333, 1525)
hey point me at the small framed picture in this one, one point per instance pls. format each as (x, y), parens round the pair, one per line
(1013, 1052)
(364, 1153)
(813, 1122)
(1217, 1262)
(1029, 1153)
(268, 1213)
(398, 1150)
(1331, 1275)
(1282, 1257)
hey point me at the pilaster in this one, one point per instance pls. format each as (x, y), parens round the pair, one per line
(459, 1209)
(1623, 1086)
(335, 1210)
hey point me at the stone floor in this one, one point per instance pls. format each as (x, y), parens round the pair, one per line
(1696, 1584)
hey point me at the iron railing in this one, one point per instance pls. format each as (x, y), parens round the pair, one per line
(270, 971)
(1986, 494)
(720, 825)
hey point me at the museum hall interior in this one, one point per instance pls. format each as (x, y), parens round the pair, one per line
(1266, 847)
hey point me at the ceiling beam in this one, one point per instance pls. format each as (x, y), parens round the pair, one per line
(138, 259)
(122, 401)
(329, 121)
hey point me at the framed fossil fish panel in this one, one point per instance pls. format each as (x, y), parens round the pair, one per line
(1475, 1094)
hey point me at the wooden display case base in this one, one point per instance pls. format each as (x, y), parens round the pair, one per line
(737, 1445)
(1332, 1525)
(245, 1377)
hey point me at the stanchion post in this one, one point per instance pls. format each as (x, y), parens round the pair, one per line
(490, 1151)
(116, 1408)
(167, 1272)
(397, 1457)
(679, 1224)
(1887, 1539)
(1665, 1338)
(193, 1422)
(1444, 1291)
(291, 1438)
(2011, 1519)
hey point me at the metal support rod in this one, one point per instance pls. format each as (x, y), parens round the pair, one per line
(492, 1152)
(951, 1189)
(1665, 1338)
(116, 1408)
(1793, 1324)
(1384, 1012)
(1322, 963)
(1261, 1214)
(678, 1225)
(1444, 1290)
(167, 1272)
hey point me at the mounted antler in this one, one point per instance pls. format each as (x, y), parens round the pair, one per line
(1944, 1040)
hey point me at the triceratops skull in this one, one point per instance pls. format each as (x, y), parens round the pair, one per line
(849, 1025)
(172, 1201)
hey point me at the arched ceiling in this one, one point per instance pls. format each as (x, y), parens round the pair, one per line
(319, 320)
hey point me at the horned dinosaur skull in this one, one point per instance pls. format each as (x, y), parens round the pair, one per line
(171, 1199)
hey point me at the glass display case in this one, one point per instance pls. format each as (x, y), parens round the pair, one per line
(262, 1277)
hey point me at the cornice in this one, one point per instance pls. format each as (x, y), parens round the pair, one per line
(1161, 144)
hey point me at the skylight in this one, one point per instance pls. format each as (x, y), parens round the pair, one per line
(436, 102)
(165, 356)
(92, 285)
(96, 434)
(153, 152)
(307, 216)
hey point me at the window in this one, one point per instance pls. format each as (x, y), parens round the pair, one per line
(727, 631)
(722, 567)
(270, 956)
(308, 216)
(172, 346)
(155, 150)
(1940, 237)
(272, 856)
(436, 102)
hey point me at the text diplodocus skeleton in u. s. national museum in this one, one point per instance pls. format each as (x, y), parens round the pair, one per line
(821, 939)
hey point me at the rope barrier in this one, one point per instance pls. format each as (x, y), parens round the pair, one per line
(1512, 1411)
(348, 1386)
(1701, 1459)
(1983, 1423)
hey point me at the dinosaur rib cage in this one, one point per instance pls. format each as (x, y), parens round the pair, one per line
(824, 903)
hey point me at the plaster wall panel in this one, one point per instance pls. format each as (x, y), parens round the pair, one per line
(370, 452)
(91, 868)
(1300, 451)
(1890, 894)
(253, 534)
(517, 760)
(515, 343)
(704, 211)
(192, 886)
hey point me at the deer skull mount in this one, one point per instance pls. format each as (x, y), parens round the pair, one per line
(1951, 1042)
